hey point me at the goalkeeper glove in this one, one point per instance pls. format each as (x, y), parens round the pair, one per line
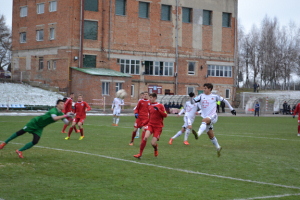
(136, 115)
(70, 114)
(233, 112)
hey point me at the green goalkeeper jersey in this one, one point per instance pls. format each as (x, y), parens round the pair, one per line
(37, 124)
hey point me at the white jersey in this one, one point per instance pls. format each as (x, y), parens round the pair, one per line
(209, 104)
(190, 109)
(117, 103)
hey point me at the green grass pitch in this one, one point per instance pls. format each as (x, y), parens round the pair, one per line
(260, 160)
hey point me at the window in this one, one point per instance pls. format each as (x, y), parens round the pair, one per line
(23, 11)
(54, 64)
(132, 91)
(120, 7)
(165, 13)
(119, 86)
(186, 15)
(48, 65)
(143, 9)
(190, 89)
(159, 68)
(227, 93)
(40, 35)
(23, 37)
(90, 30)
(207, 17)
(105, 88)
(52, 34)
(130, 66)
(52, 6)
(91, 5)
(41, 63)
(40, 8)
(226, 18)
(219, 71)
(191, 68)
(89, 61)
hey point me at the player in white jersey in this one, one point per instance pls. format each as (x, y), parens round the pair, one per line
(116, 107)
(208, 104)
(190, 109)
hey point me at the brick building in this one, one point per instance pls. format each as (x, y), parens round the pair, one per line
(163, 46)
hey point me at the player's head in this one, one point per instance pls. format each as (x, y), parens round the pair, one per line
(60, 104)
(191, 94)
(152, 97)
(79, 98)
(146, 95)
(208, 88)
(72, 95)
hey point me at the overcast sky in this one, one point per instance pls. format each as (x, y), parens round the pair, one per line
(250, 11)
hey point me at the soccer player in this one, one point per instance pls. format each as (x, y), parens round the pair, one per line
(36, 125)
(141, 114)
(68, 108)
(154, 126)
(116, 107)
(297, 110)
(80, 109)
(137, 135)
(190, 109)
(208, 105)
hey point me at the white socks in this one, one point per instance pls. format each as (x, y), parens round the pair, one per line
(117, 120)
(114, 120)
(202, 128)
(177, 134)
(215, 142)
(187, 133)
(137, 133)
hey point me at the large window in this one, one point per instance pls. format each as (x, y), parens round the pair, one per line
(52, 34)
(120, 7)
(219, 71)
(165, 12)
(23, 37)
(105, 88)
(190, 89)
(143, 9)
(23, 11)
(40, 35)
(159, 68)
(52, 6)
(91, 5)
(90, 30)
(130, 66)
(191, 68)
(119, 86)
(186, 15)
(40, 8)
(41, 63)
(207, 16)
(226, 19)
(89, 61)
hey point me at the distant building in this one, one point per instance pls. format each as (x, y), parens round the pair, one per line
(100, 46)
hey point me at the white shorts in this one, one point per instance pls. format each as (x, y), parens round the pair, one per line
(213, 120)
(117, 112)
(187, 121)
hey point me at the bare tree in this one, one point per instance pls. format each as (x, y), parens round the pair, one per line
(5, 43)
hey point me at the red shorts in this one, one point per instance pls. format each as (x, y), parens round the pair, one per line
(140, 122)
(78, 120)
(156, 131)
(69, 119)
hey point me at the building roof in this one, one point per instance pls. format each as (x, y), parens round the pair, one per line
(101, 72)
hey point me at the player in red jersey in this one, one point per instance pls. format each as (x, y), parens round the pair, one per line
(141, 114)
(154, 126)
(68, 108)
(297, 110)
(80, 109)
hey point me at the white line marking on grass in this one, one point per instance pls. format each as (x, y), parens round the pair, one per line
(269, 138)
(269, 197)
(170, 168)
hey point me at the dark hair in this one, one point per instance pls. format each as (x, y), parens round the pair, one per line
(191, 94)
(71, 93)
(153, 95)
(208, 85)
(58, 101)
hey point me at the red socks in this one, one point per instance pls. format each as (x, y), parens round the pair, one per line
(64, 128)
(142, 146)
(70, 131)
(81, 131)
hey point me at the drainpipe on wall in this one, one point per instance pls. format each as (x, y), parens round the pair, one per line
(81, 34)
(109, 29)
(235, 51)
(176, 49)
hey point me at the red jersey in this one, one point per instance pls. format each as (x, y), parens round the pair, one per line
(156, 117)
(68, 105)
(297, 110)
(142, 108)
(80, 109)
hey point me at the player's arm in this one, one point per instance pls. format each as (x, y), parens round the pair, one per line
(88, 108)
(296, 110)
(182, 110)
(62, 117)
(229, 106)
(161, 110)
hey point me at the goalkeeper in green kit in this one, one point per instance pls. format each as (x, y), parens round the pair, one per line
(36, 125)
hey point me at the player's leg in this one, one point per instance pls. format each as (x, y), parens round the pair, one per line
(80, 125)
(117, 119)
(298, 127)
(137, 135)
(71, 129)
(214, 140)
(143, 143)
(202, 128)
(155, 138)
(35, 140)
(66, 125)
(13, 136)
(186, 134)
(133, 135)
